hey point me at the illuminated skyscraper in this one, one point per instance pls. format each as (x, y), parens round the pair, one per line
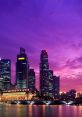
(56, 84)
(1, 84)
(51, 84)
(5, 73)
(31, 80)
(44, 73)
(22, 69)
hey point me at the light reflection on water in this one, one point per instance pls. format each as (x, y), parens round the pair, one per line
(40, 111)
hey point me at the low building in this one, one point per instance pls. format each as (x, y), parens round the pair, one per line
(11, 95)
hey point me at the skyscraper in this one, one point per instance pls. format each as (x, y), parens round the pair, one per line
(5, 73)
(31, 80)
(44, 73)
(56, 84)
(1, 84)
(22, 69)
(51, 84)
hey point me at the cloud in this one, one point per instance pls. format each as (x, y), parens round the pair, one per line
(55, 25)
(67, 84)
(74, 64)
(76, 46)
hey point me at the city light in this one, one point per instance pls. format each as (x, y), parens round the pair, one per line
(22, 58)
(25, 88)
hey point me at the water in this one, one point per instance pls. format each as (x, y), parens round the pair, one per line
(40, 111)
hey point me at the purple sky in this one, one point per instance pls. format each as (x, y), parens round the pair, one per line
(54, 25)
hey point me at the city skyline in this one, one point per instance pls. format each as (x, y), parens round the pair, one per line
(23, 62)
(54, 25)
(25, 77)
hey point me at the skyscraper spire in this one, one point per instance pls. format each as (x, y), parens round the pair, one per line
(22, 50)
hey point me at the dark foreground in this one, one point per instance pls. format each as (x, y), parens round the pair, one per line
(8, 110)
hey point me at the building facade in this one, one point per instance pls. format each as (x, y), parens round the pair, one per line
(22, 67)
(31, 80)
(56, 84)
(1, 84)
(5, 74)
(51, 84)
(44, 73)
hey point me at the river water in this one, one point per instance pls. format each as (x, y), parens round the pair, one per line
(8, 110)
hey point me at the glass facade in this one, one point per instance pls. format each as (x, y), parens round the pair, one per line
(51, 85)
(22, 69)
(31, 80)
(44, 73)
(56, 81)
(5, 73)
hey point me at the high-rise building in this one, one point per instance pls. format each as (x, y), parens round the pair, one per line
(5, 73)
(51, 84)
(44, 73)
(56, 84)
(31, 80)
(1, 84)
(22, 69)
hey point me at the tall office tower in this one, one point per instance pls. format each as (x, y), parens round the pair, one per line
(5, 73)
(56, 83)
(1, 84)
(31, 80)
(22, 67)
(44, 73)
(51, 84)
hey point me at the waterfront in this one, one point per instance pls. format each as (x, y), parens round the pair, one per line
(8, 110)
